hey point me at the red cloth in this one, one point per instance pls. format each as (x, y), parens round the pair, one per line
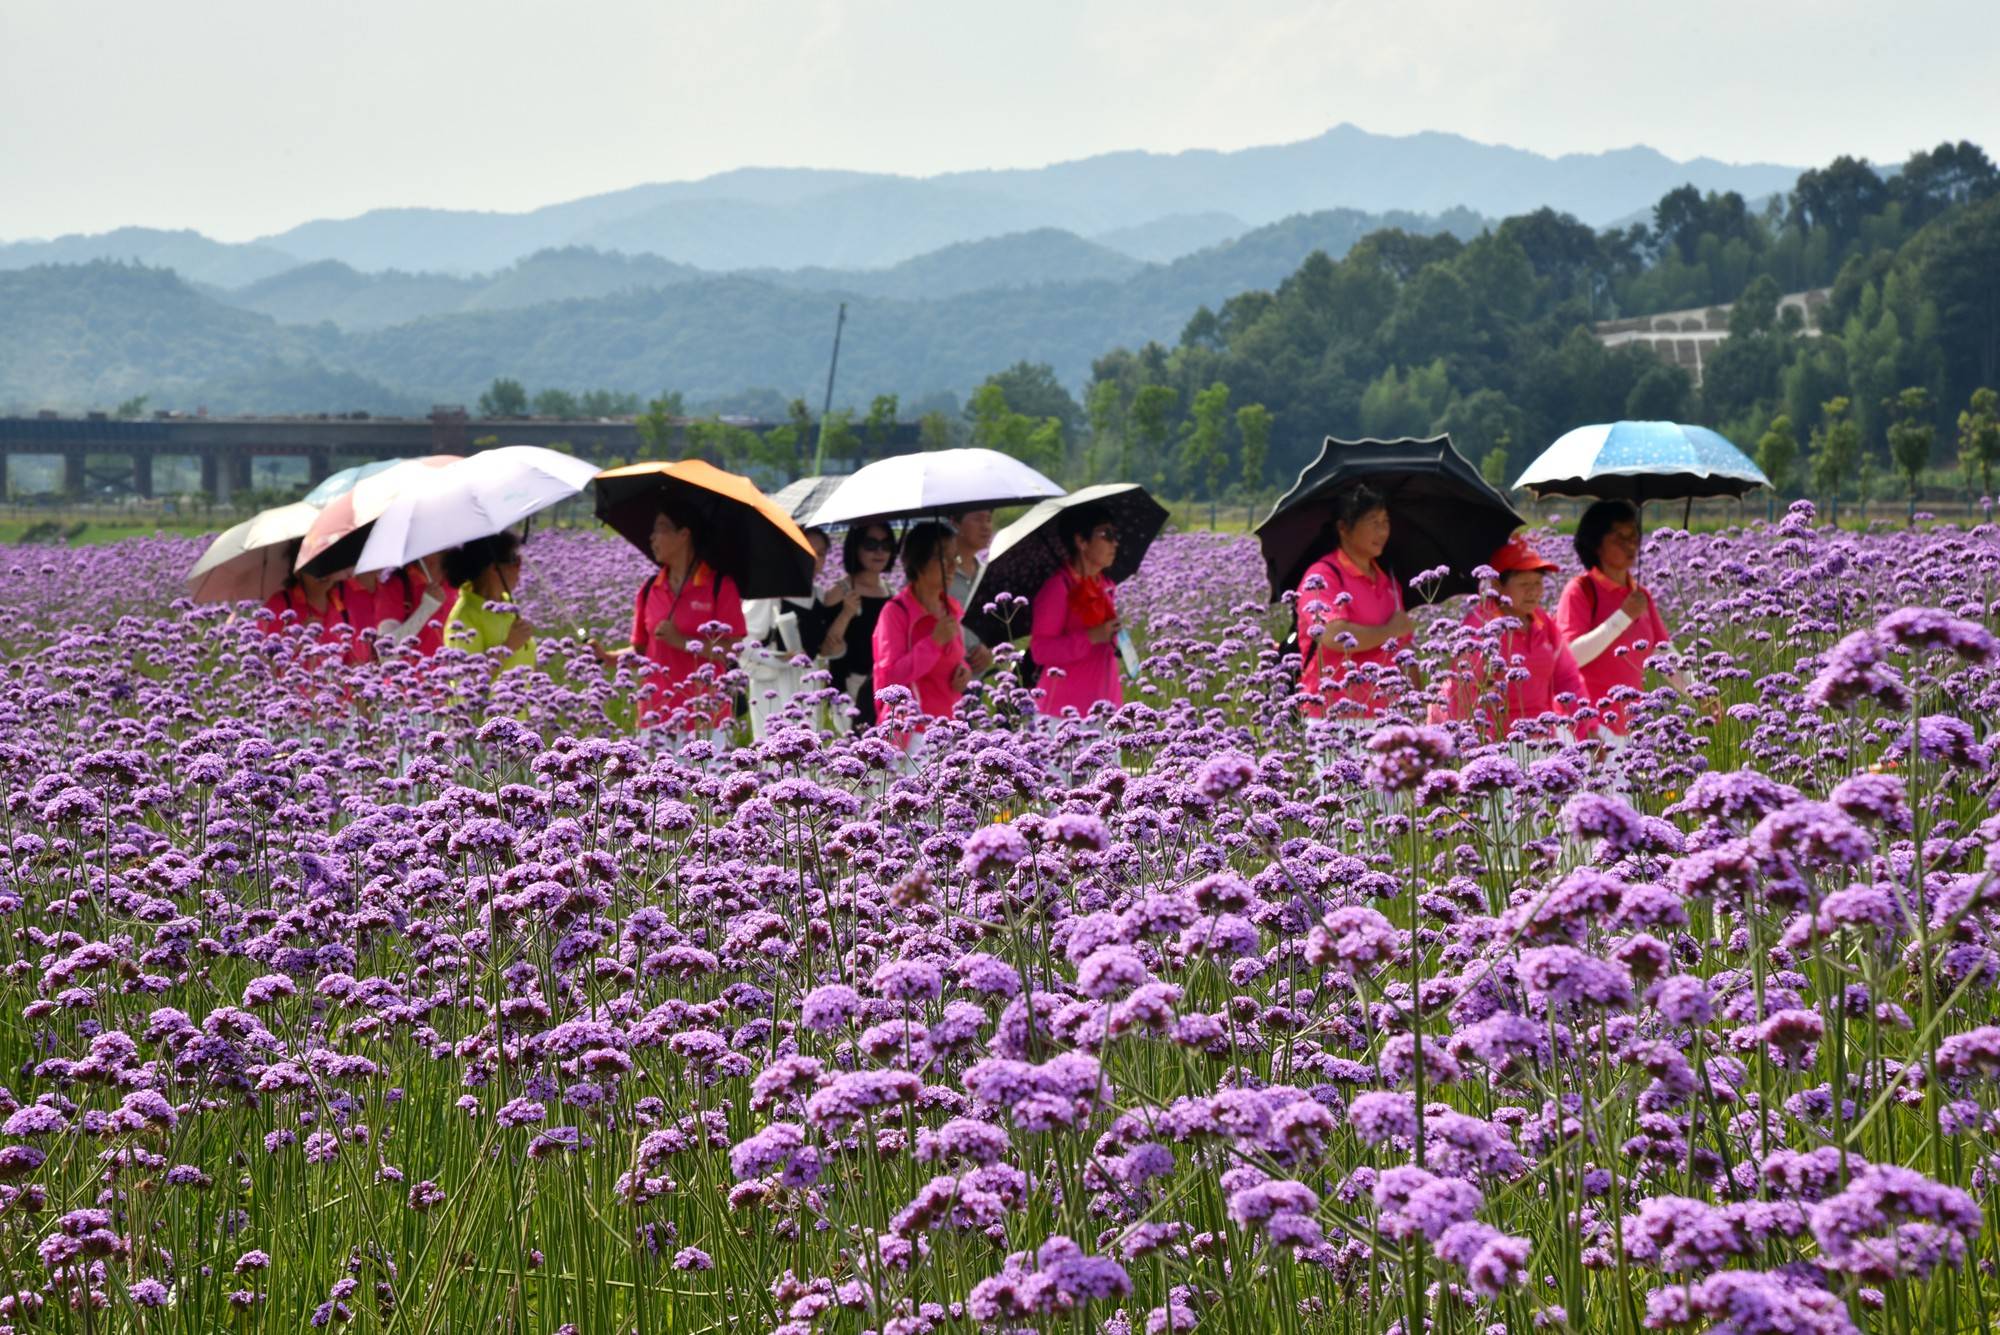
(1064, 611)
(333, 623)
(906, 655)
(674, 684)
(1587, 602)
(1373, 602)
(1537, 647)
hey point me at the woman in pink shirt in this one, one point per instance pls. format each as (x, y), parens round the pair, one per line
(1610, 621)
(918, 643)
(1075, 619)
(1351, 611)
(684, 595)
(1530, 672)
(313, 600)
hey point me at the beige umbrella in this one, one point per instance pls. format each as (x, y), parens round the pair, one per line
(250, 561)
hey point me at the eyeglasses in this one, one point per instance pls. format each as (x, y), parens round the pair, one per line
(1108, 532)
(877, 544)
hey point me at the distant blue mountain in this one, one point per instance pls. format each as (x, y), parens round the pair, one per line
(794, 218)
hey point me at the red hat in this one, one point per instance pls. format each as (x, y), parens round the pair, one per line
(1516, 554)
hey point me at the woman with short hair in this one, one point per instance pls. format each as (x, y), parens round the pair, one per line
(865, 555)
(1609, 619)
(683, 683)
(1351, 616)
(1074, 617)
(487, 570)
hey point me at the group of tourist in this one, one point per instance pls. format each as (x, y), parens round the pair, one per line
(688, 619)
(689, 624)
(1582, 664)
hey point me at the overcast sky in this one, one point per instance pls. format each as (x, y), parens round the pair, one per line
(243, 117)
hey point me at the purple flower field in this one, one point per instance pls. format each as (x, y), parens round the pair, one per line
(404, 998)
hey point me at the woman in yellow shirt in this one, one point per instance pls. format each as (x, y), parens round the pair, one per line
(487, 570)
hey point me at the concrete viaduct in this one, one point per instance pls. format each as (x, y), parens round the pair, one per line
(225, 446)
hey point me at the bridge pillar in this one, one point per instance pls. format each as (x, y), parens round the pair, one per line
(319, 464)
(73, 479)
(142, 473)
(224, 473)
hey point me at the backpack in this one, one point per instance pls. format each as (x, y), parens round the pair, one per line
(1290, 644)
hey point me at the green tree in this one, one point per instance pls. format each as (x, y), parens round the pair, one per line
(1207, 444)
(1397, 405)
(1106, 404)
(1979, 439)
(557, 403)
(1836, 452)
(1033, 389)
(880, 427)
(1777, 455)
(988, 412)
(1253, 424)
(1150, 407)
(659, 426)
(1911, 435)
(1493, 467)
(837, 440)
(608, 403)
(775, 452)
(132, 408)
(934, 431)
(504, 398)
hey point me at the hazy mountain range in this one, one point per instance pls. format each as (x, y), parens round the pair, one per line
(728, 283)
(1150, 206)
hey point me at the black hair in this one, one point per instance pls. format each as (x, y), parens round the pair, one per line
(923, 544)
(1353, 506)
(1596, 525)
(850, 546)
(1077, 522)
(462, 565)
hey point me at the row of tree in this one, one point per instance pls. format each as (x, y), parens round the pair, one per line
(1491, 340)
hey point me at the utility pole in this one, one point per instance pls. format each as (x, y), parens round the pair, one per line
(819, 446)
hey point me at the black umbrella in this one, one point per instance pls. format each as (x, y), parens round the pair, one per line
(1029, 550)
(1441, 513)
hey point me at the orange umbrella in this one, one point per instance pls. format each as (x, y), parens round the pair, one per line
(337, 535)
(743, 533)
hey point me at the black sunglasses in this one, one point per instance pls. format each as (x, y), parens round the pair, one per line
(877, 544)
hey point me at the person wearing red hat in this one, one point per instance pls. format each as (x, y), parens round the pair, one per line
(1523, 670)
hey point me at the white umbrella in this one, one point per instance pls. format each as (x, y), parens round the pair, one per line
(360, 504)
(251, 560)
(473, 498)
(933, 482)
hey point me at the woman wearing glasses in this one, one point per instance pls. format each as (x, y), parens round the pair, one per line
(684, 684)
(487, 570)
(849, 646)
(1074, 627)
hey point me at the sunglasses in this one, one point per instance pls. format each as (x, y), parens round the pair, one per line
(1108, 532)
(877, 544)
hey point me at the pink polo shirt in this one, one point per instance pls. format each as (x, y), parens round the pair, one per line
(1372, 602)
(1538, 648)
(1060, 639)
(673, 684)
(906, 655)
(1587, 602)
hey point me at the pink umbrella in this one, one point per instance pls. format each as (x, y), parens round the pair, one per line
(339, 532)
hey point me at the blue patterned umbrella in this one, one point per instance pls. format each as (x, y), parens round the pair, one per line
(1642, 461)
